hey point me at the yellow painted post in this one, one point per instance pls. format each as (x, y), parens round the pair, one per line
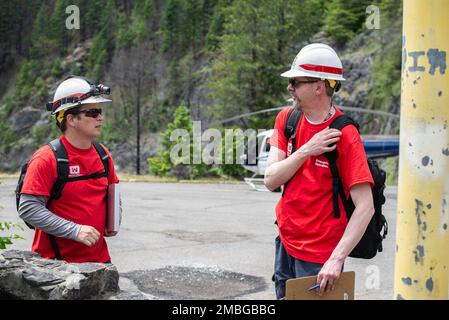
(422, 239)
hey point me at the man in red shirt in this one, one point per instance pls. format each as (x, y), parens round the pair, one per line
(76, 220)
(312, 241)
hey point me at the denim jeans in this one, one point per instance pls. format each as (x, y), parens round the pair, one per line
(286, 267)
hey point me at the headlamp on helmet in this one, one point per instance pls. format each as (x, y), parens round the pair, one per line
(76, 90)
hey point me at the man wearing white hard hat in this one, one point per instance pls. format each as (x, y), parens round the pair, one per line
(64, 191)
(312, 239)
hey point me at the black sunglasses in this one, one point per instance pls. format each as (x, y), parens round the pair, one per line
(91, 113)
(295, 82)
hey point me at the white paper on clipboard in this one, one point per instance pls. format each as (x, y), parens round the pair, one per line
(114, 209)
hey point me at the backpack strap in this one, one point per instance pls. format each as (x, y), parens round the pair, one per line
(62, 168)
(290, 132)
(19, 186)
(103, 156)
(338, 123)
(18, 190)
(290, 127)
(342, 121)
(104, 160)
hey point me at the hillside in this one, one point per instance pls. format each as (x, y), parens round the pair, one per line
(218, 58)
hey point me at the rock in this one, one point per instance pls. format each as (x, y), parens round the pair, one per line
(25, 119)
(25, 275)
(39, 278)
(17, 254)
(130, 291)
(77, 57)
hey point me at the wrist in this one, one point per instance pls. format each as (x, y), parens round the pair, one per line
(339, 257)
(76, 232)
(303, 151)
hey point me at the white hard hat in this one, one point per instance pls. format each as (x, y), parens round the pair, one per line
(316, 60)
(76, 91)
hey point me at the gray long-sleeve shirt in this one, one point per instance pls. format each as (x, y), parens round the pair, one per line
(32, 209)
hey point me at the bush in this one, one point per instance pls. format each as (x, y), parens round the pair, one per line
(183, 167)
(7, 240)
(159, 166)
(56, 70)
(41, 87)
(7, 136)
(162, 164)
(10, 104)
(391, 167)
(40, 132)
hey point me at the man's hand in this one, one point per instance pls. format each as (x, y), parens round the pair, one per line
(320, 142)
(88, 235)
(329, 274)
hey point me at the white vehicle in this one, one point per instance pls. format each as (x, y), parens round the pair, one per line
(258, 168)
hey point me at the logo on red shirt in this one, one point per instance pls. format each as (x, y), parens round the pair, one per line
(320, 163)
(74, 171)
(289, 148)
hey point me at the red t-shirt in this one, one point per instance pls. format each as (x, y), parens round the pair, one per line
(82, 202)
(307, 226)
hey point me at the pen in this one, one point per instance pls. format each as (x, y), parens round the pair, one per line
(314, 287)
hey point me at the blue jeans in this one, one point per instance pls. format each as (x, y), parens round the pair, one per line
(286, 267)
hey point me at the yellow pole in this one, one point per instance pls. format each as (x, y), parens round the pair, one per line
(422, 239)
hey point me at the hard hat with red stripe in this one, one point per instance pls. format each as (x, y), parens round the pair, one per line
(316, 60)
(75, 91)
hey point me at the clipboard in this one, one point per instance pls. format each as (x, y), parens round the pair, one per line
(298, 289)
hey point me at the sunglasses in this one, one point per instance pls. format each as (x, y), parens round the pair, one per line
(295, 82)
(91, 113)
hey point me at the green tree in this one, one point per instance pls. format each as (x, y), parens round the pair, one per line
(386, 68)
(131, 30)
(134, 66)
(40, 48)
(258, 42)
(216, 28)
(40, 43)
(183, 32)
(172, 27)
(162, 165)
(58, 32)
(103, 43)
(345, 18)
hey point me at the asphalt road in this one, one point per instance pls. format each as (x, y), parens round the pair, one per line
(226, 229)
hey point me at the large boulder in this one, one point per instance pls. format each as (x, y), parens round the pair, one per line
(25, 275)
(25, 119)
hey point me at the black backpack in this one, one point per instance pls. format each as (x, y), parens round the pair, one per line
(62, 168)
(371, 242)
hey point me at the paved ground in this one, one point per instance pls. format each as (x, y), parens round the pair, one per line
(213, 227)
